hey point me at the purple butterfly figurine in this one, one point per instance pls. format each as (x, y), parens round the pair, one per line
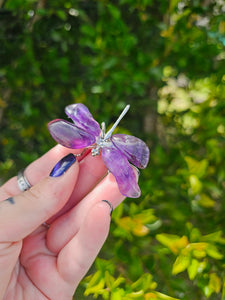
(116, 150)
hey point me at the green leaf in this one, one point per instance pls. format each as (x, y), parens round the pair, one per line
(173, 242)
(195, 184)
(215, 237)
(144, 283)
(114, 11)
(61, 14)
(146, 216)
(213, 252)
(196, 167)
(95, 289)
(193, 268)
(214, 282)
(161, 296)
(118, 212)
(135, 295)
(94, 279)
(205, 201)
(223, 289)
(198, 250)
(167, 239)
(181, 263)
(117, 294)
(105, 265)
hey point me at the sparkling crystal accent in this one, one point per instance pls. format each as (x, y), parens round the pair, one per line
(117, 150)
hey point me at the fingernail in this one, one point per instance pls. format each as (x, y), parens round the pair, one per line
(63, 165)
(110, 205)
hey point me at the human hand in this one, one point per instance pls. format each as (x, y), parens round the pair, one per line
(37, 262)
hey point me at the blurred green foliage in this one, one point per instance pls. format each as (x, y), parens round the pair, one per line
(165, 58)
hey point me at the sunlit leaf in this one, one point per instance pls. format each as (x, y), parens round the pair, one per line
(144, 282)
(195, 184)
(95, 289)
(193, 268)
(196, 167)
(223, 289)
(140, 229)
(198, 249)
(146, 216)
(213, 252)
(206, 201)
(214, 282)
(214, 237)
(117, 294)
(164, 297)
(181, 263)
(135, 295)
(195, 235)
(150, 296)
(173, 242)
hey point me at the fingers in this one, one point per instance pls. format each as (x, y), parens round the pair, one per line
(37, 170)
(91, 170)
(78, 255)
(22, 214)
(88, 228)
(64, 228)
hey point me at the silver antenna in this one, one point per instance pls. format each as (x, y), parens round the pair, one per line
(109, 133)
(103, 130)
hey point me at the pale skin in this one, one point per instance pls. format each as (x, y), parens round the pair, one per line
(37, 262)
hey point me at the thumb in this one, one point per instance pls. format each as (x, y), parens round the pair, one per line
(22, 214)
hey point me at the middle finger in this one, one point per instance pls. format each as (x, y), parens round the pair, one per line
(92, 170)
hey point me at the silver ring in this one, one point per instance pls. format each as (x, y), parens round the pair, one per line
(46, 225)
(22, 182)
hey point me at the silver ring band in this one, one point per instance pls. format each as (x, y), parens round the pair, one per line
(46, 225)
(22, 182)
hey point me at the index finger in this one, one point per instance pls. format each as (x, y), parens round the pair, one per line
(37, 170)
(92, 169)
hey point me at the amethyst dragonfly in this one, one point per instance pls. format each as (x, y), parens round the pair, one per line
(117, 150)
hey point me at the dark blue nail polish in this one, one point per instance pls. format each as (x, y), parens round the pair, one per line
(63, 165)
(110, 205)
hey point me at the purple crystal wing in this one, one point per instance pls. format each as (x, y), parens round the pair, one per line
(119, 166)
(82, 118)
(68, 135)
(133, 148)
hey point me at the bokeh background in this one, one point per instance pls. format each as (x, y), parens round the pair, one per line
(166, 59)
